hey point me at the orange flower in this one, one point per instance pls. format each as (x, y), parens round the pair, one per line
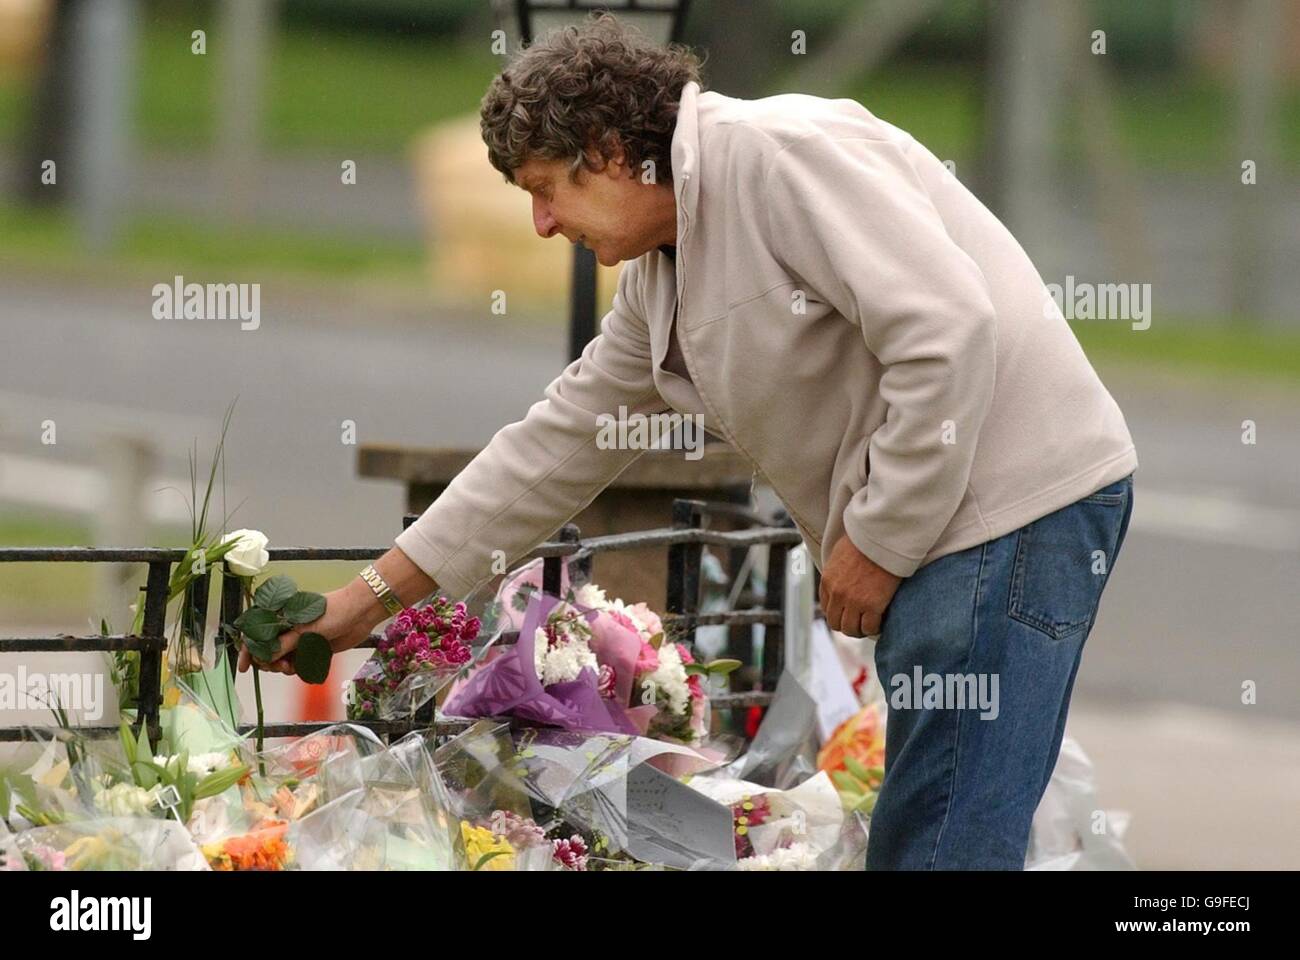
(861, 736)
(262, 848)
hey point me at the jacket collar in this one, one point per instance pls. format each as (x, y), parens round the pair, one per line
(685, 153)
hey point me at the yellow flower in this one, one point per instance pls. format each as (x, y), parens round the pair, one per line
(481, 842)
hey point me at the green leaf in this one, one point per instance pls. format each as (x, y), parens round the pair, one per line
(219, 781)
(143, 748)
(845, 782)
(275, 592)
(697, 668)
(857, 769)
(724, 666)
(128, 742)
(265, 652)
(867, 804)
(24, 786)
(147, 774)
(311, 659)
(488, 856)
(303, 607)
(258, 625)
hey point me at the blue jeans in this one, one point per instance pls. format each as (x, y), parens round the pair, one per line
(977, 655)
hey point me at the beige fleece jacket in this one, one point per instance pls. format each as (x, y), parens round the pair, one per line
(853, 320)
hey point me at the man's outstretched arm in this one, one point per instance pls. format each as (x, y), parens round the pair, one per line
(532, 477)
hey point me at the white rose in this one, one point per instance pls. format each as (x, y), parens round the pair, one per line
(248, 558)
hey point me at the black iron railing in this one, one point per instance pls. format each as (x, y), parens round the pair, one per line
(685, 542)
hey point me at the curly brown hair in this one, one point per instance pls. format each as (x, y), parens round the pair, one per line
(593, 86)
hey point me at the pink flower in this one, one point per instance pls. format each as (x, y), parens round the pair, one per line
(686, 654)
(699, 716)
(455, 652)
(402, 624)
(519, 832)
(648, 617)
(572, 853)
(622, 619)
(693, 684)
(606, 681)
(52, 859)
(647, 660)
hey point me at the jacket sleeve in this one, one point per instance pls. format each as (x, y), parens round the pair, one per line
(851, 218)
(535, 474)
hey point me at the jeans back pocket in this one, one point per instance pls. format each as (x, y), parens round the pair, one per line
(1063, 560)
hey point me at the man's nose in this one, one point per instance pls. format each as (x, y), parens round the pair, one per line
(543, 222)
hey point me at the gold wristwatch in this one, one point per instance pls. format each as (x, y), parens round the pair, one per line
(381, 589)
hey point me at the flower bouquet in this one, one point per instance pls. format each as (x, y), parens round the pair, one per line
(803, 828)
(511, 842)
(261, 848)
(550, 676)
(854, 757)
(598, 664)
(111, 843)
(420, 653)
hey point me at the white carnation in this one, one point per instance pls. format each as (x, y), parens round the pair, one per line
(540, 645)
(590, 595)
(566, 662)
(570, 655)
(669, 679)
(799, 856)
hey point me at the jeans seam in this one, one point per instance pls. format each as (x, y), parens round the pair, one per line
(956, 746)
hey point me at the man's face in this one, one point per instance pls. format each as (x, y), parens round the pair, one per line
(613, 213)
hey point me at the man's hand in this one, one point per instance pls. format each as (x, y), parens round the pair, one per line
(855, 591)
(351, 612)
(341, 624)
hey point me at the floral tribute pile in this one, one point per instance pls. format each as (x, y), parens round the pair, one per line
(587, 747)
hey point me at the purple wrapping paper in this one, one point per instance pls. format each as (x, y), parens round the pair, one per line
(509, 686)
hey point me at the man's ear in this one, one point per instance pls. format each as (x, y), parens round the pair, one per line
(614, 157)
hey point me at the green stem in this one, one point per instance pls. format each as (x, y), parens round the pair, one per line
(257, 693)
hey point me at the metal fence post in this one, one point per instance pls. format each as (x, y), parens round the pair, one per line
(553, 567)
(155, 641)
(774, 637)
(684, 565)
